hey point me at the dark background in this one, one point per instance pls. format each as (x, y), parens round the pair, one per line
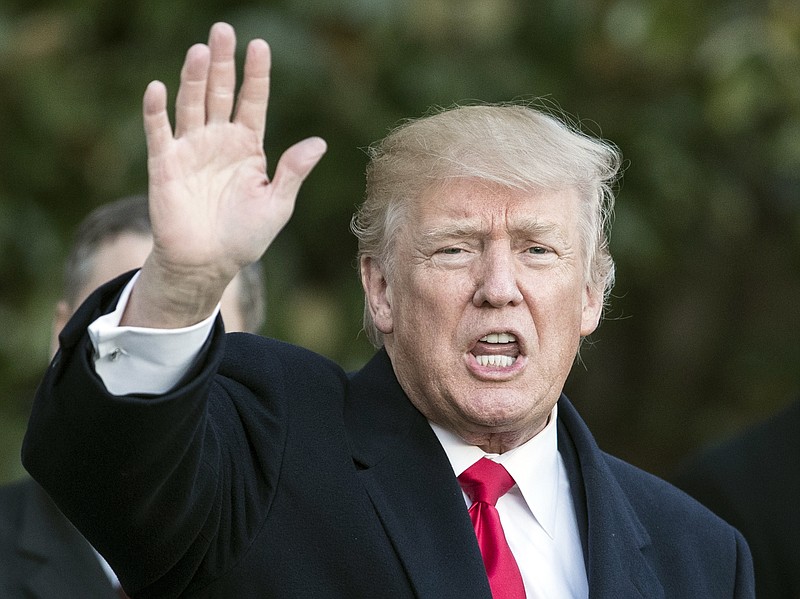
(702, 335)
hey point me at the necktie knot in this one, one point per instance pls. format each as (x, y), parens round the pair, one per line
(485, 481)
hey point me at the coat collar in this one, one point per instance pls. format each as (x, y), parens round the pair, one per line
(401, 461)
(617, 543)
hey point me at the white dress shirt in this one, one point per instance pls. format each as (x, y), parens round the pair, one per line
(537, 513)
(141, 360)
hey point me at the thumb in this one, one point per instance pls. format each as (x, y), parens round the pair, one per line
(295, 164)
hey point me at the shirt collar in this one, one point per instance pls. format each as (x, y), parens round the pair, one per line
(534, 465)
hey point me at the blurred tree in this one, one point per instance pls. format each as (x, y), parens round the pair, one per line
(702, 97)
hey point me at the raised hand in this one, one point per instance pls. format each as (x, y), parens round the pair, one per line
(212, 204)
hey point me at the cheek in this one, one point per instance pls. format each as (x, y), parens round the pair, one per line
(424, 315)
(557, 307)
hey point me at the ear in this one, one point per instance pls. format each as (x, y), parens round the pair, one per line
(592, 309)
(60, 319)
(378, 294)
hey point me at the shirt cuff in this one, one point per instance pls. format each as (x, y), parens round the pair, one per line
(143, 360)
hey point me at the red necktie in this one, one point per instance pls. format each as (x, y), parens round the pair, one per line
(484, 482)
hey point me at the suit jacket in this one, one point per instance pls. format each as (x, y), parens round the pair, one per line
(269, 472)
(42, 556)
(753, 482)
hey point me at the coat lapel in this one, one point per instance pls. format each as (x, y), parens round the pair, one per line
(616, 542)
(412, 487)
(417, 498)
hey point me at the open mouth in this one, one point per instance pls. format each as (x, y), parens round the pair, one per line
(497, 350)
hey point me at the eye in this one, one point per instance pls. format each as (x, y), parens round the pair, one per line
(538, 250)
(451, 251)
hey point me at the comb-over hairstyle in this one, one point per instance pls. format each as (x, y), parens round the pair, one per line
(515, 146)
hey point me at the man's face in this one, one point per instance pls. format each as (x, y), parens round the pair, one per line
(114, 257)
(121, 254)
(484, 312)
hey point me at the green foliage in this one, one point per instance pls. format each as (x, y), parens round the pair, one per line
(702, 97)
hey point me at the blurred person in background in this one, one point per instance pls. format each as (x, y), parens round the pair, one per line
(42, 555)
(753, 481)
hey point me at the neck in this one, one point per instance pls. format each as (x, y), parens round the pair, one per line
(501, 442)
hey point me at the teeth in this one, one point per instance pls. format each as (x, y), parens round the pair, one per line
(501, 361)
(499, 338)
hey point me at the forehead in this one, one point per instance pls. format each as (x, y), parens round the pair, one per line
(115, 256)
(481, 207)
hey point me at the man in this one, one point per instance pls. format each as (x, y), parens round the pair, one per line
(753, 482)
(41, 554)
(251, 468)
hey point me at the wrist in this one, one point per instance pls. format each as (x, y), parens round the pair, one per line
(167, 300)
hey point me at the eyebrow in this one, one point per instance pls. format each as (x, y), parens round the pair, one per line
(454, 229)
(522, 227)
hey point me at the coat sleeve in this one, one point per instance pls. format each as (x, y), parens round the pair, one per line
(169, 488)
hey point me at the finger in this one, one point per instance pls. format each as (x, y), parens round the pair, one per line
(156, 121)
(294, 166)
(251, 109)
(222, 73)
(190, 104)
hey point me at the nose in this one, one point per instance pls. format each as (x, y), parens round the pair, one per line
(497, 284)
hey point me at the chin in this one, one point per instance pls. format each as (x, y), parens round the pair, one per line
(498, 413)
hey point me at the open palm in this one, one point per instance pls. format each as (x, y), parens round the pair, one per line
(212, 206)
